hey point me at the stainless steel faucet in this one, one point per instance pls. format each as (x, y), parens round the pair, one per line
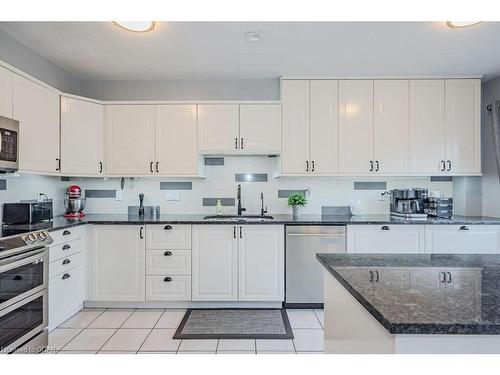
(141, 204)
(262, 210)
(238, 197)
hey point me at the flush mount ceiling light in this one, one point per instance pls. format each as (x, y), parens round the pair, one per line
(460, 24)
(253, 36)
(136, 26)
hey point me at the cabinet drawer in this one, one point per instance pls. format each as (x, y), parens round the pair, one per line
(65, 264)
(385, 238)
(168, 262)
(68, 234)
(158, 288)
(66, 292)
(166, 236)
(479, 239)
(64, 250)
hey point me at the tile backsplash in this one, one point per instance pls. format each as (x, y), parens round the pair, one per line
(220, 181)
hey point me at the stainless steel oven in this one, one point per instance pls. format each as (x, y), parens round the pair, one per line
(23, 300)
(9, 145)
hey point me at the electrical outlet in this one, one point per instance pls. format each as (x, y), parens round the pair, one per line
(173, 195)
(119, 195)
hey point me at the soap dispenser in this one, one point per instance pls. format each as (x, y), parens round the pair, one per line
(219, 210)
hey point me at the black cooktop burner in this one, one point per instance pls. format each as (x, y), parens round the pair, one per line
(13, 229)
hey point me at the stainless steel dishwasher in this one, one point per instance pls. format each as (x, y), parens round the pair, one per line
(304, 274)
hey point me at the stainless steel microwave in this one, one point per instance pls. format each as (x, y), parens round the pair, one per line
(9, 145)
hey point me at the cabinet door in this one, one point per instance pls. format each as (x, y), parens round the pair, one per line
(67, 292)
(6, 81)
(37, 110)
(260, 128)
(295, 127)
(463, 288)
(218, 128)
(427, 135)
(130, 140)
(176, 140)
(82, 133)
(118, 263)
(462, 239)
(391, 129)
(261, 258)
(427, 295)
(324, 127)
(391, 288)
(214, 263)
(355, 126)
(385, 238)
(463, 125)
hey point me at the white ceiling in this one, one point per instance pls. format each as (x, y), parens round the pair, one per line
(195, 50)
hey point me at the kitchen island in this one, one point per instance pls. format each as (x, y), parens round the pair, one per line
(412, 303)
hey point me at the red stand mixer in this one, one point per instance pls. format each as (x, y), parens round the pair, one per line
(74, 203)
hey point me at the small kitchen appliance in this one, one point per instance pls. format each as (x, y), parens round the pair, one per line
(9, 150)
(408, 203)
(74, 203)
(27, 212)
(439, 207)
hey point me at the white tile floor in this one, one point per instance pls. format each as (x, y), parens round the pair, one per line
(142, 331)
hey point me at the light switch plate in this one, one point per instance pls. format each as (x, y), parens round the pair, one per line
(119, 195)
(173, 195)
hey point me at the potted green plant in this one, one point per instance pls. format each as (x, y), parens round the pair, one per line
(297, 200)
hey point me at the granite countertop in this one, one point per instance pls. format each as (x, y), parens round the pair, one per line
(410, 297)
(60, 222)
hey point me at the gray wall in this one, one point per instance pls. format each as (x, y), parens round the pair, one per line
(232, 89)
(491, 181)
(30, 62)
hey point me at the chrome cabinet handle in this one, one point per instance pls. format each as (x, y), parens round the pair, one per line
(371, 276)
(385, 227)
(378, 166)
(66, 261)
(167, 227)
(443, 280)
(66, 233)
(312, 166)
(443, 164)
(167, 279)
(66, 276)
(449, 165)
(371, 165)
(66, 247)
(307, 165)
(141, 233)
(449, 277)
(236, 143)
(167, 253)
(464, 227)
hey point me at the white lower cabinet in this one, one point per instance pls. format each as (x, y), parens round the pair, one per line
(215, 266)
(261, 263)
(118, 263)
(385, 238)
(457, 239)
(238, 263)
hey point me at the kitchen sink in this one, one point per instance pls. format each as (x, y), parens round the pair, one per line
(241, 218)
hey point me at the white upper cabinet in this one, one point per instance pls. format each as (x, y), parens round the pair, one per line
(176, 140)
(295, 127)
(218, 128)
(260, 128)
(463, 126)
(427, 131)
(37, 110)
(261, 262)
(82, 137)
(214, 263)
(324, 150)
(356, 127)
(391, 134)
(130, 140)
(6, 82)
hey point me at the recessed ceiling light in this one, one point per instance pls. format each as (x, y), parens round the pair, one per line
(253, 36)
(136, 26)
(460, 24)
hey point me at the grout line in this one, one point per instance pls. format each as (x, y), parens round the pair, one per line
(115, 331)
(140, 346)
(317, 317)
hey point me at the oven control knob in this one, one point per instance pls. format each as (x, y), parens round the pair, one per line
(42, 236)
(31, 238)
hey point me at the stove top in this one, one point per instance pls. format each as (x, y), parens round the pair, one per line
(19, 238)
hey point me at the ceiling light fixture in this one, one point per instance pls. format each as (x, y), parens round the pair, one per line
(460, 24)
(136, 26)
(253, 36)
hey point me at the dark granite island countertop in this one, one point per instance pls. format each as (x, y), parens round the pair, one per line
(423, 294)
(60, 222)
